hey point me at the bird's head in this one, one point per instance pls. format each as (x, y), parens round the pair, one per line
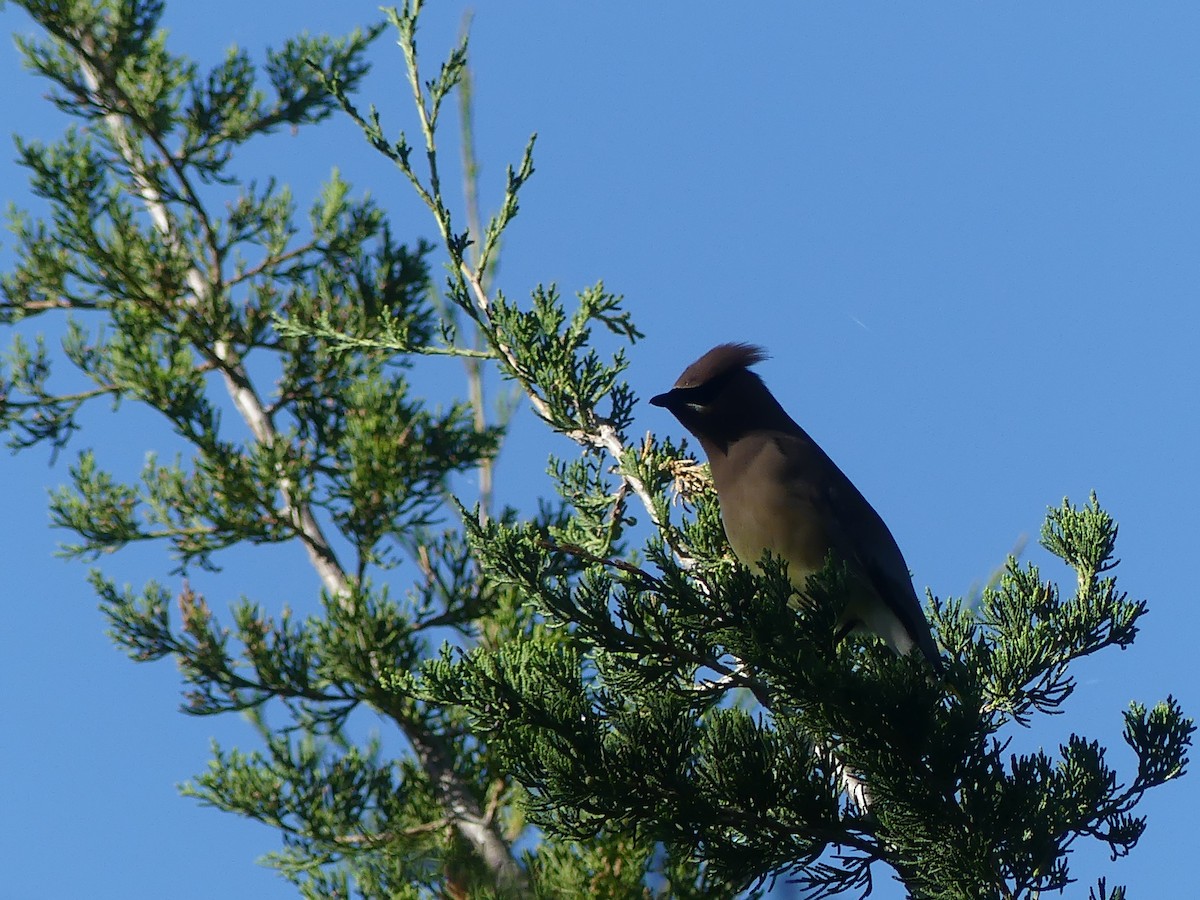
(718, 398)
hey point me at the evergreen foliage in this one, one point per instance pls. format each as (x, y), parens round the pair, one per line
(597, 699)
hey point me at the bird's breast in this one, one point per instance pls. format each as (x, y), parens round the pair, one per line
(762, 509)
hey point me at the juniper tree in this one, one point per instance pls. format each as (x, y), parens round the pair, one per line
(594, 678)
(168, 266)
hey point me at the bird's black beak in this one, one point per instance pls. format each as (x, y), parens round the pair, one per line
(663, 400)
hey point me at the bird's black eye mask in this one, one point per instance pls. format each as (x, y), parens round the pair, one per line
(701, 395)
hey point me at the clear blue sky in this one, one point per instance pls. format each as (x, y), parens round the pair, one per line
(968, 234)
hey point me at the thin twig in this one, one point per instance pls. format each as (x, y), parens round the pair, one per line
(474, 368)
(648, 580)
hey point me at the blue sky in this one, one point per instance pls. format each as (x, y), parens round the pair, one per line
(967, 234)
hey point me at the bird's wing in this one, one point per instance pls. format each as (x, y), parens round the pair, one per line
(858, 535)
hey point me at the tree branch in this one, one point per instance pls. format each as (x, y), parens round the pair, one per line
(463, 808)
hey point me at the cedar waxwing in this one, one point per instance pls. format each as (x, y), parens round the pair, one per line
(779, 491)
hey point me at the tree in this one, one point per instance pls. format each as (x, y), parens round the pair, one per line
(616, 696)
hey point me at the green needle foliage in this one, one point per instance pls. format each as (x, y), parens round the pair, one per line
(594, 699)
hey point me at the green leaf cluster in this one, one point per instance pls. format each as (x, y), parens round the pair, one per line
(698, 707)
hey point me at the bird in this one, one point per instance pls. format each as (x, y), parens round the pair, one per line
(779, 491)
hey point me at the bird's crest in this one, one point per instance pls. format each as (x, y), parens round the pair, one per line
(719, 360)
